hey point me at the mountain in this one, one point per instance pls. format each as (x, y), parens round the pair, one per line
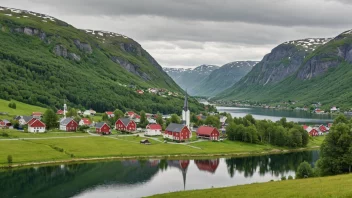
(187, 79)
(223, 78)
(307, 71)
(44, 60)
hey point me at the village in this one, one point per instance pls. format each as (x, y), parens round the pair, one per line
(182, 131)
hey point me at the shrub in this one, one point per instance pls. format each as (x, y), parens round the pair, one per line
(304, 170)
(12, 105)
(4, 134)
(9, 159)
(290, 177)
(283, 178)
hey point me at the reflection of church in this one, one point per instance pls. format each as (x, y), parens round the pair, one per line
(181, 165)
(207, 165)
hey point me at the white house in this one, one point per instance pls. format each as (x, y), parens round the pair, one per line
(36, 126)
(153, 129)
(90, 112)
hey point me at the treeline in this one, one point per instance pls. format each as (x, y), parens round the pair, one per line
(281, 133)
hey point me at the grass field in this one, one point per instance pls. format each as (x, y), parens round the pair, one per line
(34, 150)
(336, 186)
(21, 108)
(19, 134)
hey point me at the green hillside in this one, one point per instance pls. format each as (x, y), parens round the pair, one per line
(21, 108)
(323, 75)
(44, 60)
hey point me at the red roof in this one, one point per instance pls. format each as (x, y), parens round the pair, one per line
(137, 116)
(37, 113)
(154, 126)
(109, 112)
(130, 113)
(37, 123)
(86, 121)
(305, 127)
(60, 112)
(205, 130)
(323, 128)
(31, 121)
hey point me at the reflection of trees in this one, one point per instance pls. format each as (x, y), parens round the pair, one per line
(69, 180)
(274, 164)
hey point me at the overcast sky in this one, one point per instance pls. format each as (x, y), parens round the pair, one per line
(195, 32)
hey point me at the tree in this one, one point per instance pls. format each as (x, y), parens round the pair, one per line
(213, 121)
(304, 170)
(340, 119)
(12, 105)
(118, 114)
(335, 150)
(159, 119)
(105, 117)
(143, 122)
(50, 119)
(175, 119)
(72, 112)
(9, 159)
(231, 131)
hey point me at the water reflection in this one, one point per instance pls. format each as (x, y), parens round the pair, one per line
(137, 178)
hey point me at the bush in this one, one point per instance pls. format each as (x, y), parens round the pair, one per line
(9, 159)
(12, 105)
(304, 170)
(4, 134)
(283, 178)
(290, 177)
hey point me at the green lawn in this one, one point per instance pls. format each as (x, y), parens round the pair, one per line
(316, 141)
(21, 108)
(336, 186)
(19, 134)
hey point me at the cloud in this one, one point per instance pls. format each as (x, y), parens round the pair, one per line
(194, 32)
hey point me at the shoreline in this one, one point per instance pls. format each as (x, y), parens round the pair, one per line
(193, 156)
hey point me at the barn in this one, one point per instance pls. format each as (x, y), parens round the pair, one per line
(207, 132)
(103, 128)
(178, 132)
(153, 129)
(125, 124)
(36, 126)
(68, 124)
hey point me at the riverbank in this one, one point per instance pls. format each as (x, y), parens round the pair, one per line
(70, 149)
(335, 186)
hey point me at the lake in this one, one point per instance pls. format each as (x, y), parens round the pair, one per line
(137, 178)
(275, 114)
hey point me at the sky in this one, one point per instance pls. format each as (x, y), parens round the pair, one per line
(188, 33)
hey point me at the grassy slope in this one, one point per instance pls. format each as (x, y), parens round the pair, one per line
(101, 146)
(336, 186)
(21, 108)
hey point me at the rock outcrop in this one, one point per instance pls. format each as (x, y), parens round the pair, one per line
(131, 48)
(60, 50)
(84, 47)
(132, 68)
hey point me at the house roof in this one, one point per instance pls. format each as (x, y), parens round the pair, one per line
(109, 112)
(27, 118)
(125, 121)
(60, 112)
(86, 121)
(175, 127)
(99, 124)
(65, 121)
(308, 129)
(154, 126)
(305, 127)
(32, 121)
(37, 123)
(37, 113)
(130, 113)
(205, 130)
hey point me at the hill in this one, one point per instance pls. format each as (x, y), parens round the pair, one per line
(306, 72)
(190, 78)
(44, 60)
(336, 186)
(223, 78)
(21, 109)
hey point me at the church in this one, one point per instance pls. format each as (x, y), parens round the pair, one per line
(180, 132)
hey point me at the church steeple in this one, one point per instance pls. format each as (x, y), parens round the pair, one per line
(185, 104)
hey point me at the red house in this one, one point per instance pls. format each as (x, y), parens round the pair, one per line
(125, 124)
(312, 131)
(305, 127)
(103, 128)
(36, 126)
(85, 122)
(68, 124)
(110, 114)
(60, 112)
(207, 165)
(178, 132)
(37, 115)
(5, 123)
(130, 114)
(208, 132)
(323, 129)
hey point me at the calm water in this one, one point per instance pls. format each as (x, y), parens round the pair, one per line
(275, 115)
(142, 178)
